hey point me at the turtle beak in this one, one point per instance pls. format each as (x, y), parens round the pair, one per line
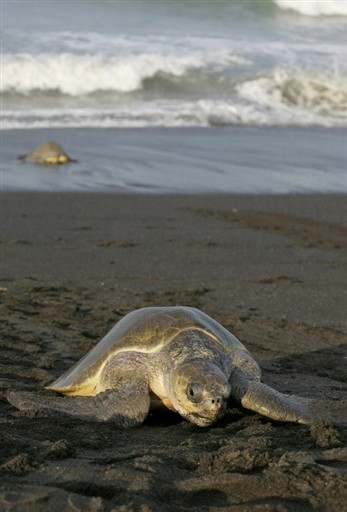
(213, 407)
(206, 421)
(218, 398)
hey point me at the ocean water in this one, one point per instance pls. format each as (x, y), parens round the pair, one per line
(253, 68)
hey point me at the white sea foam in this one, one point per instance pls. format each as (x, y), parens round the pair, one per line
(76, 75)
(83, 74)
(281, 97)
(172, 113)
(291, 90)
(179, 113)
(315, 7)
(136, 81)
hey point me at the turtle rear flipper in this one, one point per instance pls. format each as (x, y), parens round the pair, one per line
(126, 408)
(261, 398)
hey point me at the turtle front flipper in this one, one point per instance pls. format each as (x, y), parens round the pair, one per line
(261, 398)
(127, 407)
(23, 157)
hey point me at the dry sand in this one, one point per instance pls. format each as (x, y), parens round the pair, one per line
(271, 269)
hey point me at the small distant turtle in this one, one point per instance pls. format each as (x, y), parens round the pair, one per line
(178, 356)
(49, 153)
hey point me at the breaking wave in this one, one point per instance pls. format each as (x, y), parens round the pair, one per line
(315, 7)
(296, 92)
(193, 86)
(76, 75)
(282, 97)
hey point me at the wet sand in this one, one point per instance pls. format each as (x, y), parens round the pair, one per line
(271, 269)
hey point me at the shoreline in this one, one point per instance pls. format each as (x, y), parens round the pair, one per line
(233, 159)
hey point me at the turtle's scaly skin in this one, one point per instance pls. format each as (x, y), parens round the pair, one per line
(180, 357)
(48, 153)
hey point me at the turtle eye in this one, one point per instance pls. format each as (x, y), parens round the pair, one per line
(194, 392)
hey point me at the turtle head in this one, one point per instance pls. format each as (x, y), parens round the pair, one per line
(200, 392)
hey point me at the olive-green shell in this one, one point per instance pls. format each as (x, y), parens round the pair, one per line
(48, 153)
(144, 330)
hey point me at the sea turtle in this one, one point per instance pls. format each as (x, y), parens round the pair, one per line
(48, 153)
(178, 356)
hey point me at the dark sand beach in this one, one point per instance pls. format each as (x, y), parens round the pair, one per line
(271, 269)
